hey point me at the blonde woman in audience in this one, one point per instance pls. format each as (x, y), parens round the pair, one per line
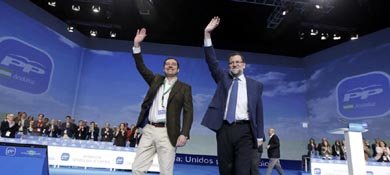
(382, 152)
(9, 127)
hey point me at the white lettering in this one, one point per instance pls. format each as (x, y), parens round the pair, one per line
(362, 95)
(8, 60)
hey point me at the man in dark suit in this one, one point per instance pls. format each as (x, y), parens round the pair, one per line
(68, 128)
(23, 122)
(235, 112)
(160, 115)
(273, 150)
(106, 133)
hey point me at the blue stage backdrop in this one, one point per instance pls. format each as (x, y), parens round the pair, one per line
(354, 88)
(38, 67)
(43, 72)
(111, 90)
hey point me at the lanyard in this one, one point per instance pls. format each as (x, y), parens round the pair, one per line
(164, 93)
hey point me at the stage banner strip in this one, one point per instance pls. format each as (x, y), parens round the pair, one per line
(208, 160)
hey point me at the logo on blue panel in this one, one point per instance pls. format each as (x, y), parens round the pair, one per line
(65, 156)
(119, 160)
(31, 153)
(317, 171)
(24, 67)
(364, 96)
(10, 151)
(369, 173)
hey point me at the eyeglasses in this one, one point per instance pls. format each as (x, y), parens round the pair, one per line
(237, 62)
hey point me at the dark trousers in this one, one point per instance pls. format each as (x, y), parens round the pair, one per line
(235, 149)
(255, 163)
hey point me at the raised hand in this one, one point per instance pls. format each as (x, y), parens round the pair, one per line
(212, 24)
(139, 37)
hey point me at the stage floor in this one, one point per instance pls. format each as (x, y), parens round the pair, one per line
(180, 169)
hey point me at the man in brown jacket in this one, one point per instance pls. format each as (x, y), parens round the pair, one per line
(160, 115)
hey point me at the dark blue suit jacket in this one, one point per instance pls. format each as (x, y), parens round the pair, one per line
(213, 118)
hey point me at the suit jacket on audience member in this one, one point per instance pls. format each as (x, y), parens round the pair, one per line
(274, 147)
(95, 134)
(106, 134)
(25, 125)
(5, 128)
(52, 131)
(81, 133)
(69, 128)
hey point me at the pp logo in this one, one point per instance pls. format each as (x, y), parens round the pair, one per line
(317, 171)
(65, 156)
(364, 96)
(10, 151)
(24, 67)
(119, 160)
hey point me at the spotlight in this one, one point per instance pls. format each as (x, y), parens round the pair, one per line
(284, 13)
(70, 28)
(51, 3)
(317, 6)
(95, 9)
(335, 37)
(324, 36)
(76, 8)
(112, 34)
(302, 35)
(313, 32)
(93, 33)
(354, 37)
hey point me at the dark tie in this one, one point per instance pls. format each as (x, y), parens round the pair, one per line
(231, 111)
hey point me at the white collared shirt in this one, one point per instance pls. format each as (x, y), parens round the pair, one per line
(160, 103)
(242, 100)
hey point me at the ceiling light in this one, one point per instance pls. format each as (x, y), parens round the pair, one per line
(112, 34)
(354, 37)
(96, 9)
(317, 6)
(323, 36)
(70, 28)
(76, 8)
(284, 12)
(52, 3)
(93, 33)
(302, 35)
(313, 32)
(335, 37)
